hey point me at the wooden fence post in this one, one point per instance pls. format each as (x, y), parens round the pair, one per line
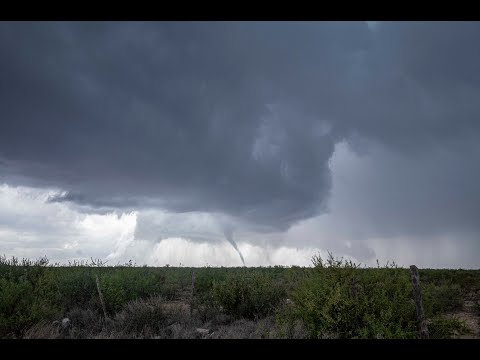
(193, 293)
(101, 298)
(417, 296)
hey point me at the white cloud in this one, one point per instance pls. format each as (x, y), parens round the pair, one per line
(30, 226)
(180, 251)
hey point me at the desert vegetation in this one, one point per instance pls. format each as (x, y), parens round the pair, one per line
(332, 299)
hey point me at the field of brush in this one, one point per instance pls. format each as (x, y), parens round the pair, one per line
(332, 299)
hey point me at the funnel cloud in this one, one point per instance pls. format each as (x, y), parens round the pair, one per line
(228, 232)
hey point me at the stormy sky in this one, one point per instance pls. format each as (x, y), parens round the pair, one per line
(212, 142)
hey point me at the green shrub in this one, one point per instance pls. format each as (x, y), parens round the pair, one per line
(30, 270)
(123, 285)
(21, 300)
(75, 287)
(341, 300)
(248, 295)
(467, 280)
(70, 288)
(20, 307)
(445, 328)
(441, 299)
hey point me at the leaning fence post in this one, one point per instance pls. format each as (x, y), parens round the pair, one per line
(417, 296)
(101, 298)
(193, 292)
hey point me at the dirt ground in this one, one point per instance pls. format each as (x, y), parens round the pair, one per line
(470, 316)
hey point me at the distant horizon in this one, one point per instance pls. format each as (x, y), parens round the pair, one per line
(84, 262)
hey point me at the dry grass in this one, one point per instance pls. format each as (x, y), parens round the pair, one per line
(153, 318)
(44, 330)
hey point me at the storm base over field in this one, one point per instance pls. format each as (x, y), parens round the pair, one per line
(232, 143)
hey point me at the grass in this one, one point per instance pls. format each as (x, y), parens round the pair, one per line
(332, 299)
(444, 327)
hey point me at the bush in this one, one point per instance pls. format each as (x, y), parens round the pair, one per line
(340, 300)
(123, 285)
(29, 270)
(70, 288)
(441, 299)
(75, 287)
(142, 315)
(445, 328)
(20, 307)
(21, 301)
(248, 295)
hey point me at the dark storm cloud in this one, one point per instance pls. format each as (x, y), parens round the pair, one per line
(236, 118)
(420, 88)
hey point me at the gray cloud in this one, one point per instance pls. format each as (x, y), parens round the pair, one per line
(198, 116)
(242, 118)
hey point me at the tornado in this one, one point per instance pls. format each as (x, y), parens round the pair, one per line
(228, 232)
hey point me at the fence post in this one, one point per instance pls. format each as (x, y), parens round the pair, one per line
(193, 293)
(101, 298)
(417, 296)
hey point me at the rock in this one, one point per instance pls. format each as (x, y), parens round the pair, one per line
(66, 323)
(202, 331)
